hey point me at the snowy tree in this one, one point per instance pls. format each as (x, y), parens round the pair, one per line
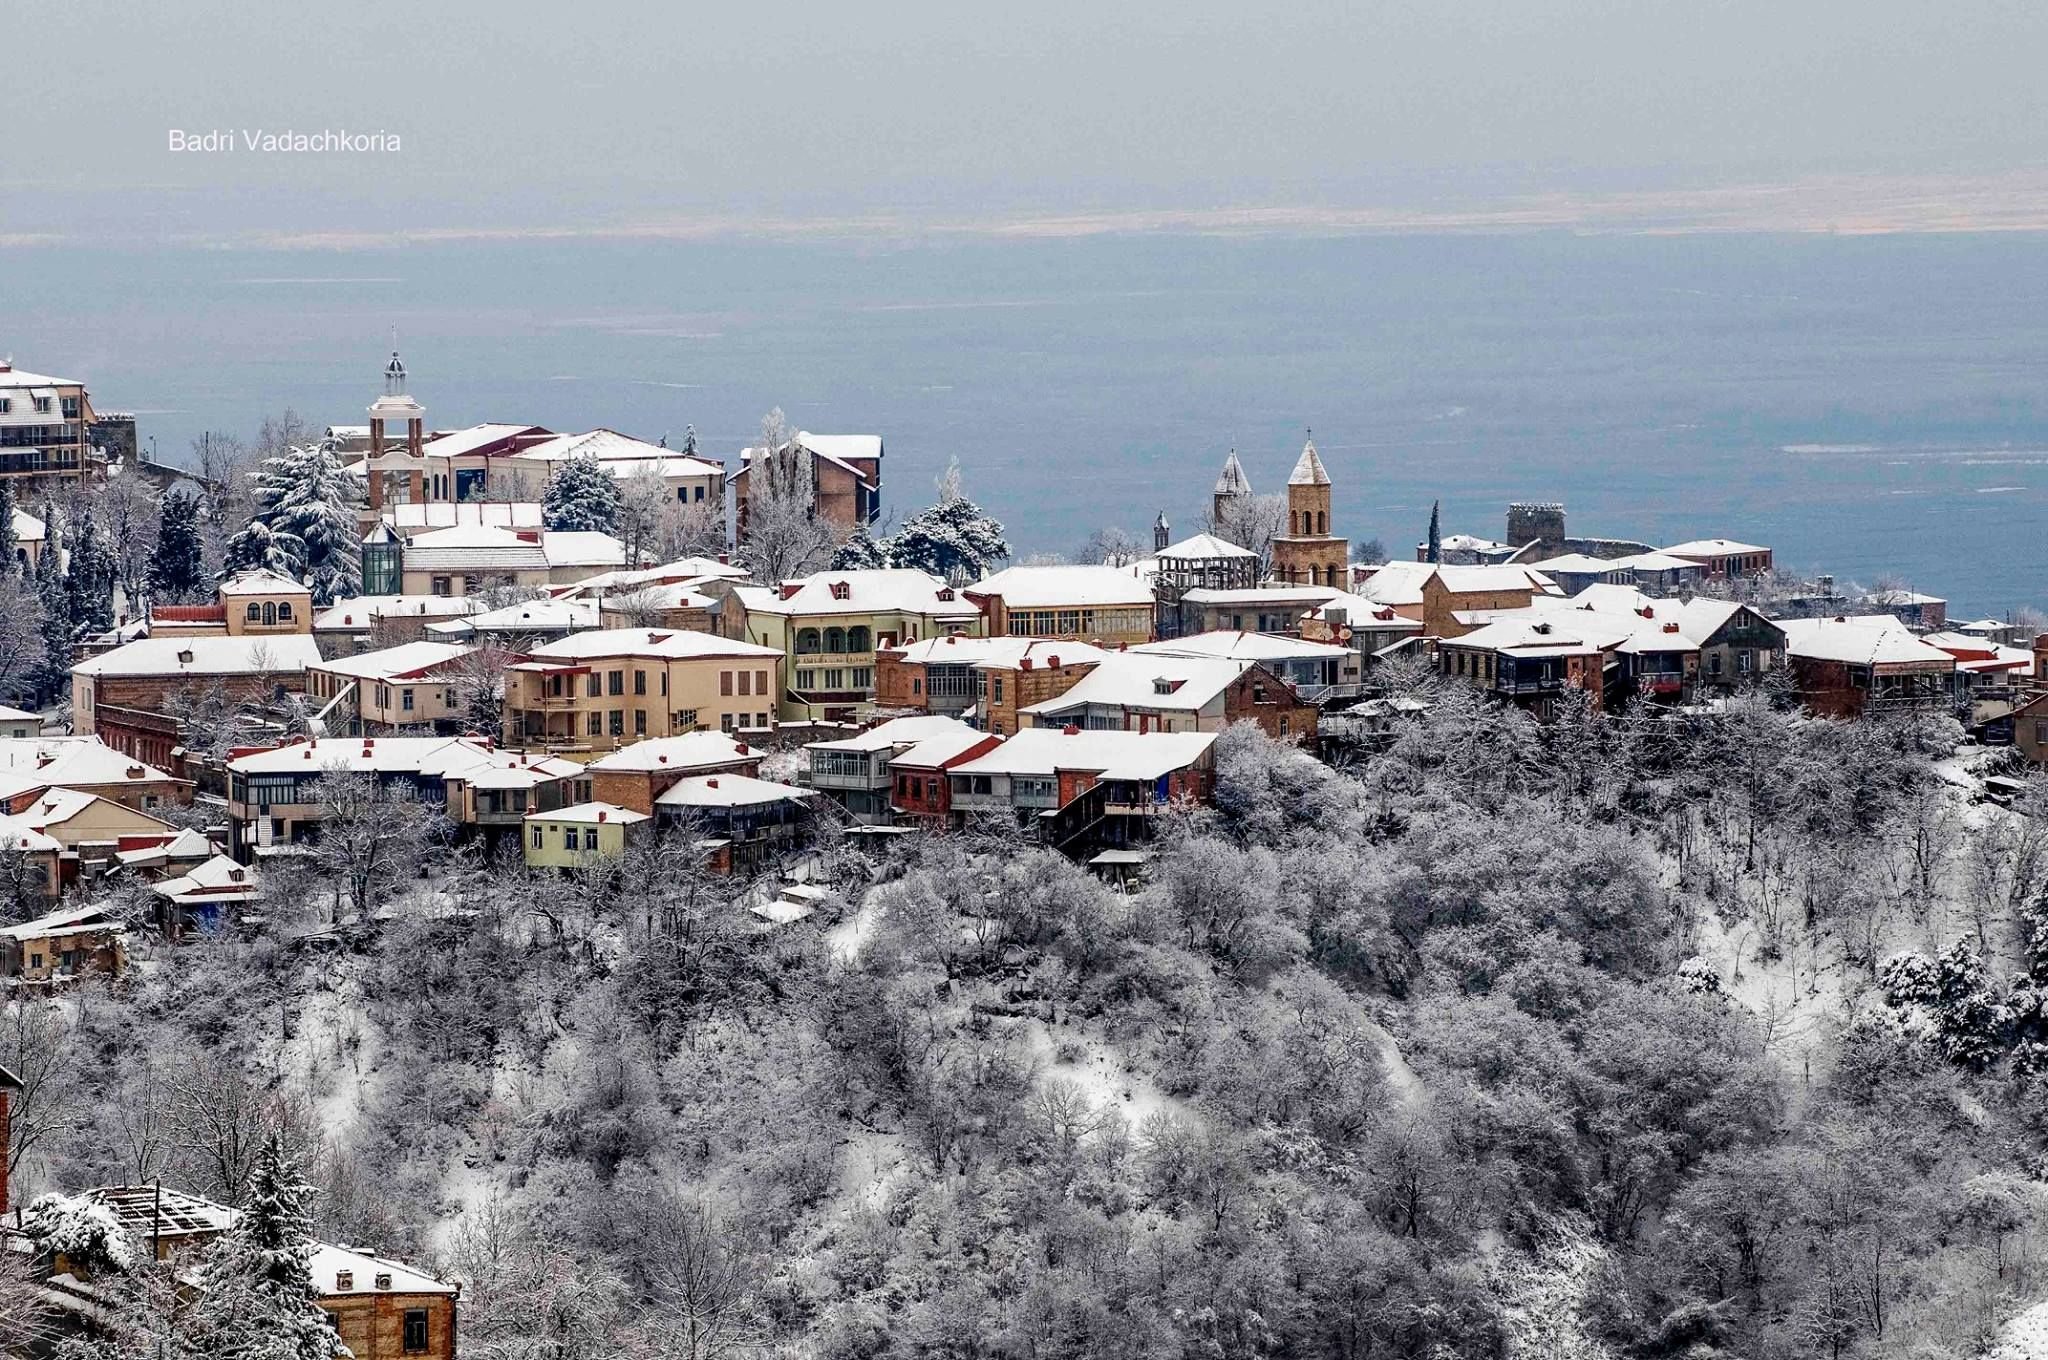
(304, 524)
(55, 598)
(644, 499)
(954, 536)
(781, 536)
(82, 1231)
(89, 583)
(369, 839)
(581, 497)
(1251, 522)
(8, 546)
(1112, 546)
(257, 1300)
(128, 513)
(177, 571)
(22, 642)
(859, 552)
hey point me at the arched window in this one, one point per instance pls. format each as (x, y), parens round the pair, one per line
(269, 611)
(835, 639)
(806, 640)
(284, 611)
(1322, 521)
(857, 638)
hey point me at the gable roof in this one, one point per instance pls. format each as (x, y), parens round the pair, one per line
(730, 790)
(897, 732)
(404, 661)
(690, 751)
(279, 654)
(1863, 640)
(1200, 547)
(1045, 751)
(261, 581)
(1048, 587)
(668, 644)
(1180, 684)
(891, 590)
(1241, 646)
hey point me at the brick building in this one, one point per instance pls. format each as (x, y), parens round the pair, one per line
(1308, 554)
(635, 776)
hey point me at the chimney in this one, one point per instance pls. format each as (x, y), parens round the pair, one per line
(662, 758)
(1025, 664)
(600, 816)
(952, 639)
(1670, 627)
(711, 783)
(135, 772)
(1070, 731)
(1053, 661)
(740, 747)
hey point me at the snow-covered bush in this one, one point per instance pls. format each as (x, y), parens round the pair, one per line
(82, 1231)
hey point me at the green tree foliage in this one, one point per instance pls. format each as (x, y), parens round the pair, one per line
(177, 572)
(581, 497)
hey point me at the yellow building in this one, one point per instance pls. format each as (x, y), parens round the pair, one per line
(827, 628)
(610, 686)
(412, 685)
(257, 602)
(572, 837)
(1106, 606)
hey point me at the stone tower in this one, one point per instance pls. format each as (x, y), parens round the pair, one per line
(1307, 554)
(1232, 487)
(1537, 522)
(1162, 533)
(395, 408)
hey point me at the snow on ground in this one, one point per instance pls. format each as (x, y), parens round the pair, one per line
(1103, 1076)
(2025, 1337)
(1803, 996)
(846, 938)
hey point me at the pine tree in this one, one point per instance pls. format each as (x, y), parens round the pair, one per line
(89, 580)
(859, 552)
(581, 497)
(304, 525)
(952, 535)
(1435, 552)
(56, 602)
(257, 1300)
(178, 571)
(7, 543)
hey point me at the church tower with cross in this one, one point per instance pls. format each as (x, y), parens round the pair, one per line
(1307, 554)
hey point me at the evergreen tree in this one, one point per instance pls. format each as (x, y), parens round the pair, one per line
(56, 603)
(257, 1300)
(859, 552)
(89, 578)
(178, 571)
(7, 543)
(1436, 535)
(581, 496)
(304, 525)
(954, 534)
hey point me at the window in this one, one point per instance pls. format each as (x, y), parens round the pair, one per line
(841, 590)
(725, 683)
(1713, 663)
(760, 682)
(537, 839)
(916, 685)
(809, 680)
(835, 678)
(405, 700)
(6, 405)
(746, 682)
(995, 688)
(596, 727)
(592, 686)
(383, 696)
(440, 586)
(615, 720)
(615, 682)
(270, 611)
(70, 406)
(284, 611)
(42, 405)
(639, 682)
(590, 838)
(255, 612)
(1745, 662)
(863, 677)
(664, 684)
(639, 722)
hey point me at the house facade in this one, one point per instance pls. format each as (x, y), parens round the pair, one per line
(45, 425)
(1104, 606)
(607, 687)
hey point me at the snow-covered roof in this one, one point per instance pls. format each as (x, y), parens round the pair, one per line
(730, 790)
(1201, 547)
(1361, 613)
(29, 529)
(1471, 543)
(897, 732)
(279, 654)
(217, 879)
(892, 590)
(57, 921)
(1654, 561)
(683, 569)
(405, 661)
(1134, 680)
(68, 762)
(1560, 633)
(538, 616)
(1308, 469)
(462, 443)
(1253, 596)
(1241, 646)
(933, 752)
(1580, 564)
(1049, 587)
(690, 751)
(448, 756)
(475, 546)
(1711, 547)
(998, 653)
(1862, 640)
(411, 518)
(9, 713)
(152, 1210)
(1045, 751)
(56, 806)
(591, 813)
(582, 548)
(1402, 582)
(261, 581)
(1893, 599)
(18, 835)
(1232, 480)
(369, 1274)
(187, 844)
(360, 613)
(11, 377)
(668, 595)
(669, 644)
(621, 454)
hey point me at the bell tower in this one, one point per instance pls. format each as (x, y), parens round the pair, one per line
(1232, 486)
(1307, 554)
(386, 411)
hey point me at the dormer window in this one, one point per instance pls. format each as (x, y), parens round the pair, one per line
(841, 590)
(344, 1280)
(945, 594)
(185, 657)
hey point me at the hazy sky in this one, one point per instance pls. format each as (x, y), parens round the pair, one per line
(522, 113)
